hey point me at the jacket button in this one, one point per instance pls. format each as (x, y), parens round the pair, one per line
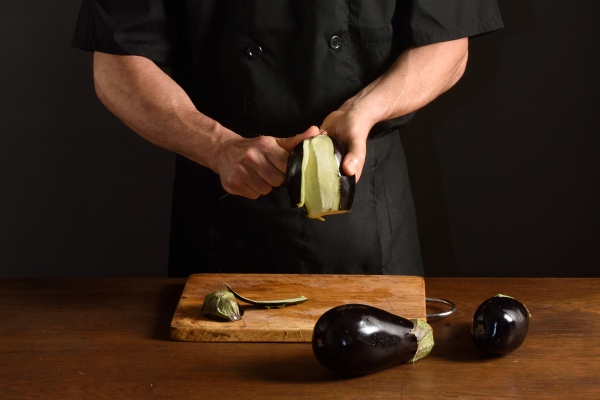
(335, 42)
(254, 51)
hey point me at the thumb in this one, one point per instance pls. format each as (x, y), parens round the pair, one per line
(288, 144)
(355, 158)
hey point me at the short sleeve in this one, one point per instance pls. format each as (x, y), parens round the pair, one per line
(125, 27)
(433, 21)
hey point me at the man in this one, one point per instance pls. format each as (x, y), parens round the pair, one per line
(252, 79)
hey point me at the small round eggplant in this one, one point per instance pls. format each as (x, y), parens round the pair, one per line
(500, 325)
(358, 339)
(315, 179)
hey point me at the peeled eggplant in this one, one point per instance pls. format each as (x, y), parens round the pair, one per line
(500, 325)
(358, 339)
(315, 179)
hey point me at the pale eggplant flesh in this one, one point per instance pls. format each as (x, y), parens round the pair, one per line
(315, 179)
(358, 339)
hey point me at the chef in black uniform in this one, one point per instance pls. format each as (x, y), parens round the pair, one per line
(250, 79)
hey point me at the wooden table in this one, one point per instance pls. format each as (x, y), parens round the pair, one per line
(108, 338)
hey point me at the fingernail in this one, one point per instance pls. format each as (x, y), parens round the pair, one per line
(350, 167)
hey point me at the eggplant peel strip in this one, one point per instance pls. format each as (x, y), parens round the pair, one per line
(267, 303)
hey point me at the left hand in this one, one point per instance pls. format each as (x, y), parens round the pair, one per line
(417, 77)
(351, 129)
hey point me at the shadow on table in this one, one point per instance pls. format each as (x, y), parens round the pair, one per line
(295, 365)
(165, 308)
(453, 342)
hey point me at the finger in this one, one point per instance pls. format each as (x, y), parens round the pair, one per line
(260, 186)
(264, 161)
(254, 186)
(245, 180)
(242, 190)
(329, 122)
(277, 159)
(250, 193)
(280, 159)
(263, 174)
(288, 144)
(272, 175)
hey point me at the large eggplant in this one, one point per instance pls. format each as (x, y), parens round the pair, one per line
(358, 339)
(315, 179)
(500, 325)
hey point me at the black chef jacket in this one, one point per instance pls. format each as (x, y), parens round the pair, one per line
(276, 67)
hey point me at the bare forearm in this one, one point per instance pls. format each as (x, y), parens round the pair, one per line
(154, 106)
(158, 109)
(417, 77)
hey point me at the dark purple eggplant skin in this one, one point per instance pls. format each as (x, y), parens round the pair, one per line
(294, 175)
(347, 182)
(500, 325)
(357, 339)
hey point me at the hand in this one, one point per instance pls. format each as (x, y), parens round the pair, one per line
(352, 130)
(253, 167)
(416, 78)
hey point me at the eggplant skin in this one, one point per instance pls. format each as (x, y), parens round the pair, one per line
(294, 175)
(347, 182)
(357, 339)
(500, 325)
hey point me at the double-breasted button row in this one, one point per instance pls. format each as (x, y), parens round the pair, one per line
(254, 51)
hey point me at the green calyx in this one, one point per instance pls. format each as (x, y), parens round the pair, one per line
(221, 304)
(424, 333)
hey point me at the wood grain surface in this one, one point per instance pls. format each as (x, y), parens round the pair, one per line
(400, 295)
(110, 339)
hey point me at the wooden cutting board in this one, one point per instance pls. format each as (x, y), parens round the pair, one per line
(400, 295)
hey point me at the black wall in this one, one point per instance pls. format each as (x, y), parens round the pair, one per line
(504, 168)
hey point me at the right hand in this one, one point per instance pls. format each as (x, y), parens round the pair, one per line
(253, 167)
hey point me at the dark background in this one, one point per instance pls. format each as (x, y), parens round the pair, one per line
(504, 167)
